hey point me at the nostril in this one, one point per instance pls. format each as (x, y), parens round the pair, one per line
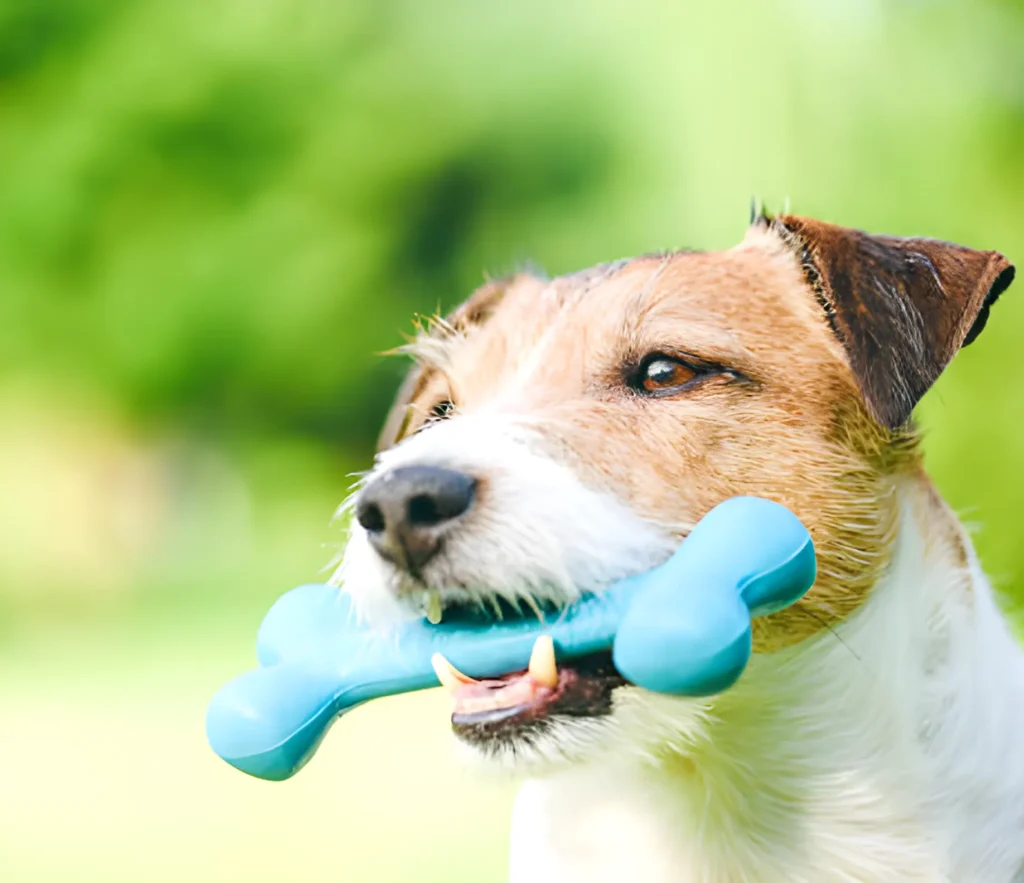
(402, 509)
(371, 518)
(423, 511)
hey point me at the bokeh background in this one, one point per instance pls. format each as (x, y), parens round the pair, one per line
(213, 215)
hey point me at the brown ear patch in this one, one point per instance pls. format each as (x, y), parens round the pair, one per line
(901, 307)
(1002, 282)
(397, 421)
(478, 308)
(472, 313)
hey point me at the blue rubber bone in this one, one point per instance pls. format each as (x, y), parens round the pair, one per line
(682, 628)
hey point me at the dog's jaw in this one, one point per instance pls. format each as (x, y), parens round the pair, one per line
(540, 537)
(886, 751)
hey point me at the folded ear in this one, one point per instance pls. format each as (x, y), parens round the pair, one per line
(473, 312)
(901, 307)
(400, 413)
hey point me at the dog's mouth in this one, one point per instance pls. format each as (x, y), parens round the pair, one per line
(517, 706)
(522, 705)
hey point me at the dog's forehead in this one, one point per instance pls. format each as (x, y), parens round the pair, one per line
(751, 291)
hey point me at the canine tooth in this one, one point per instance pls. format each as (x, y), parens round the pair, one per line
(449, 676)
(542, 662)
(433, 608)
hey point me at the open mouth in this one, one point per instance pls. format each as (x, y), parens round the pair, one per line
(521, 704)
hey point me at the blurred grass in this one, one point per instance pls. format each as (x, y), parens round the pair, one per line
(213, 215)
(115, 782)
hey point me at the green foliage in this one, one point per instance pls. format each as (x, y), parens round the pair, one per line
(213, 216)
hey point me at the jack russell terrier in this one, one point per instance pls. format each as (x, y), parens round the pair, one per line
(558, 435)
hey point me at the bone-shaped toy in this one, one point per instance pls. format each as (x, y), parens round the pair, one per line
(682, 628)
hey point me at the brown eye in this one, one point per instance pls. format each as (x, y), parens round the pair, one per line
(663, 374)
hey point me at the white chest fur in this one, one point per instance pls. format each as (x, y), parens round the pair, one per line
(890, 750)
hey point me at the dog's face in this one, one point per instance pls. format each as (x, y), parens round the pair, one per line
(559, 435)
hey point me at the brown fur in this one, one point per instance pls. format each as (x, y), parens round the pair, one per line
(795, 422)
(902, 307)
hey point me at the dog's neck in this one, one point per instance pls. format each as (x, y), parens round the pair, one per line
(886, 749)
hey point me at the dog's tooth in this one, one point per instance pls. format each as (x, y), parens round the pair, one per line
(434, 608)
(445, 672)
(542, 662)
(449, 676)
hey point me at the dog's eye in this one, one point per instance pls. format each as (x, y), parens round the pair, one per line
(664, 374)
(441, 410)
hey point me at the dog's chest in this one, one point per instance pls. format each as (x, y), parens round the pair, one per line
(888, 754)
(573, 829)
(598, 827)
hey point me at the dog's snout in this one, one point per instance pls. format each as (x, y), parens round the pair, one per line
(404, 510)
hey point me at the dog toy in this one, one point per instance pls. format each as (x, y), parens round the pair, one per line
(683, 628)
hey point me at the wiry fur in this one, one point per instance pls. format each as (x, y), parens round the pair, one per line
(874, 735)
(888, 751)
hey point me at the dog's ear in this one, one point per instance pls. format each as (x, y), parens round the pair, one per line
(901, 307)
(473, 312)
(397, 421)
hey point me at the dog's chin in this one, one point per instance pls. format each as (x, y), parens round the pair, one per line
(598, 720)
(559, 743)
(513, 722)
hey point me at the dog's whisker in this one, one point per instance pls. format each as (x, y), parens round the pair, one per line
(496, 607)
(806, 609)
(534, 607)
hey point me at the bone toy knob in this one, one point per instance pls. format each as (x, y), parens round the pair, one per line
(682, 628)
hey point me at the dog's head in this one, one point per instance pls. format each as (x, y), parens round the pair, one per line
(558, 435)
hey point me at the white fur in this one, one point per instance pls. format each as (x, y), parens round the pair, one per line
(891, 752)
(538, 533)
(888, 750)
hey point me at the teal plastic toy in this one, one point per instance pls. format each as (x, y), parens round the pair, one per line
(682, 628)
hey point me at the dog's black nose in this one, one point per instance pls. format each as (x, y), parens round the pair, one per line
(405, 511)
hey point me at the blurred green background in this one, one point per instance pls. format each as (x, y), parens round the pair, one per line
(213, 215)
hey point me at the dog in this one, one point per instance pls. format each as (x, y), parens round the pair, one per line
(557, 435)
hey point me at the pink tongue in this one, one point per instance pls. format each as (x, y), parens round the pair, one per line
(509, 692)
